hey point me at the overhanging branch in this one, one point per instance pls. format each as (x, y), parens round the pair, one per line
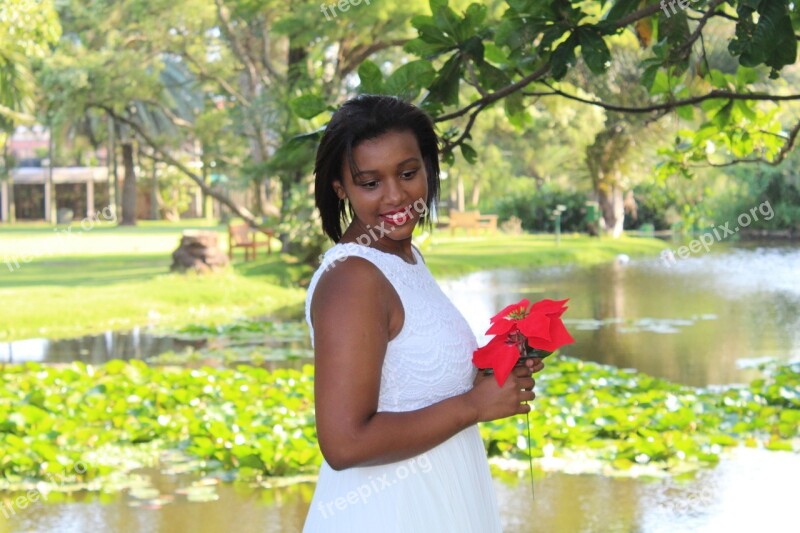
(668, 106)
(167, 158)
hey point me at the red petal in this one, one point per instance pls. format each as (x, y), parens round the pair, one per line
(550, 307)
(498, 355)
(504, 362)
(501, 327)
(524, 303)
(535, 325)
(558, 337)
(485, 356)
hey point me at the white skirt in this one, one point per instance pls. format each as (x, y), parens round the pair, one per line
(447, 488)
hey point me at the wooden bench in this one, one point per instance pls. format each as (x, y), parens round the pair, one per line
(241, 235)
(471, 220)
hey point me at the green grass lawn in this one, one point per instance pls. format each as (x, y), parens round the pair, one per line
(448, 256)
(114, 278)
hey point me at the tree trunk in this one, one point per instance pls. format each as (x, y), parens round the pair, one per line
(604, 157)
(154, 191)
(7, 163)
(128, 186)
(460, 204)
(612, 208)
(476, 194)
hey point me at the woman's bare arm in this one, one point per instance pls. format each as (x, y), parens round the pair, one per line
(352, 316)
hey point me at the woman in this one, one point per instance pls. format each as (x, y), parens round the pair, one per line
(397, 397)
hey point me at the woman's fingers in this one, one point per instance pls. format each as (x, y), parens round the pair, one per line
(526, 395)
(526, 383)
(534, 364)
(521, 371)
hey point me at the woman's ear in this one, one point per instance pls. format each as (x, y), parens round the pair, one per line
(339, 189)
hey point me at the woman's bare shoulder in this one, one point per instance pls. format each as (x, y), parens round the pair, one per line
(349, 282)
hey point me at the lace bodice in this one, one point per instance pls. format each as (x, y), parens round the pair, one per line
(431, 358)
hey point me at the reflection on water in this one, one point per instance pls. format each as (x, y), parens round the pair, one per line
(94, 349)
(740, 494)
(691, 322)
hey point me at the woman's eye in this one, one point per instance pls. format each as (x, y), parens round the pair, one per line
(410, 174)
(370, 184)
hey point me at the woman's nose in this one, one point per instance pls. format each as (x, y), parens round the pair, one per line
(394, 192)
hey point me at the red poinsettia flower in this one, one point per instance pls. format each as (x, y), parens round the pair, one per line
(541, 326)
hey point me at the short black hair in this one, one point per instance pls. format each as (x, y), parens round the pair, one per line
(359, 119)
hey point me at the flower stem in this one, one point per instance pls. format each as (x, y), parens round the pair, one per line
(530, 455)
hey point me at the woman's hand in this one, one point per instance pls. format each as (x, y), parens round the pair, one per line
(492, 402)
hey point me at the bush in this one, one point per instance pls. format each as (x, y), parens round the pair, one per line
(534, 208)
(656, 206)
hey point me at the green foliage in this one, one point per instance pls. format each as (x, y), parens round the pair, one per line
(27, 30)
(632, 422)
(230, 419)
(253, 423)
(534, 207)
(302, 226)
(656, 204)
(752, 186)
(770, 41)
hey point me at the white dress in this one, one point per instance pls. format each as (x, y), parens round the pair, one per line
(446, 489)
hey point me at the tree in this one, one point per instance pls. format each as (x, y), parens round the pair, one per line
(264, 70)
(27, 29)
(527, 51)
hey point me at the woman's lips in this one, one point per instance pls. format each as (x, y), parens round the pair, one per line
(397, 218)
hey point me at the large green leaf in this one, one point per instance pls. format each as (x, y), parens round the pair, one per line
(564, 57)
(308, 106)
(594, 50)
(770, 41)
(407, 81)
(445, 88)
(371, 78)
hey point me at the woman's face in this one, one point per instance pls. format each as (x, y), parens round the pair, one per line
(389, 192)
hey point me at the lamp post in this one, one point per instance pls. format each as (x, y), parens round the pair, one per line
(557, 216)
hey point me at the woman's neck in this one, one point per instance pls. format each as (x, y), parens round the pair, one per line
(373, 239)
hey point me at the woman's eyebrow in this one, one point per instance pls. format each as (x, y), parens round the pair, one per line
(400, 164)
(409, 160)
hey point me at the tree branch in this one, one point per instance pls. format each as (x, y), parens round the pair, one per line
(450, 145)
(541, 71)
(236, 46)
(699, 30)
(167, 158)
(638, 15)
(222, 82)
(357, 55)
(668, 106)
(497, 95)
(785, 150)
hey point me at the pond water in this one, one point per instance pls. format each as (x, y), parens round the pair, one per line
(693, 322)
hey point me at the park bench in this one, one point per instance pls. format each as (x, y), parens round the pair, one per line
(472, 220)
(241, 235)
